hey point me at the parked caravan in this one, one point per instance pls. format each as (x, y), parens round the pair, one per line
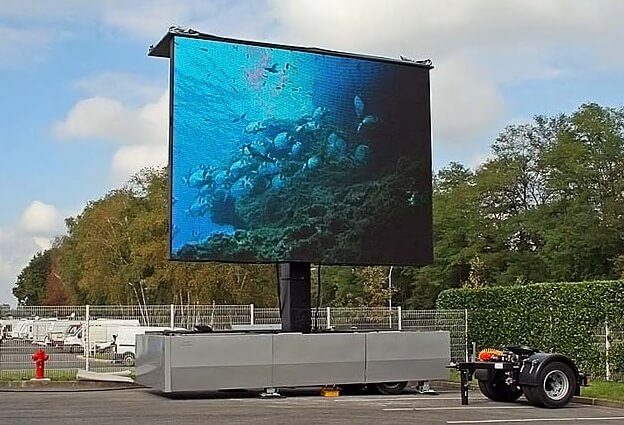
(101, 333)
(6, 327)
(38, 330)
(60, 330)
(21, 329)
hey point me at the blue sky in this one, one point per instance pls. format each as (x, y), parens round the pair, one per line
(83, 107)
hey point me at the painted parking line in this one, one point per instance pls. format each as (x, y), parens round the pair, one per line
(409, 409)
(422, 398)
(504, 421)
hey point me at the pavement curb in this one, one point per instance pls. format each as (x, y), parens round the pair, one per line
(599, 402)
(63, 385)
(448, 385)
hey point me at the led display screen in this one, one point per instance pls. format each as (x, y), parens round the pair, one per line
(281, 154)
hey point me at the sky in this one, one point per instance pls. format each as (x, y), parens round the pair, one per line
(82, 107)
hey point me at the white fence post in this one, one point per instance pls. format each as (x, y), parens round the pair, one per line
(607, 349)
(172, 317)
(399, 318)
(252, 319)
(328, 318)
(85, 336)
(466, 331)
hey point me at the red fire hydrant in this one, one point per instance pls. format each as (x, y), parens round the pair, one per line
(40, 358)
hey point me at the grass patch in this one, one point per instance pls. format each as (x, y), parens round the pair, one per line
(604, 390)
(454, 375)
(27, 374)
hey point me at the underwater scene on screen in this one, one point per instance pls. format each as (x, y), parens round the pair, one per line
(280, 155)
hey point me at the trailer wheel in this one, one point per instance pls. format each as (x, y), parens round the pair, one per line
(555, 387)
(497, 390)
(390, 388)
(530, 393)
(128, 359)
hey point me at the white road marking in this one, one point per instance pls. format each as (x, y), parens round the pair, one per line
(423, 398)
(399, 409)
(503, 421)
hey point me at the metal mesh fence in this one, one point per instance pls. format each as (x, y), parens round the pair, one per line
(267, 316)
(102, 338)
(364, 318)
(218, 317)
(454, 321)
(609, 350)
(27, 329)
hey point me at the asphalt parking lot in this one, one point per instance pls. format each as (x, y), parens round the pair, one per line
(139, 406)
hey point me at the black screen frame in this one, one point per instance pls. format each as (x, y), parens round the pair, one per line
(166, 48)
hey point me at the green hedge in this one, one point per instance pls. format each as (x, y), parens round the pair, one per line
(558, 317)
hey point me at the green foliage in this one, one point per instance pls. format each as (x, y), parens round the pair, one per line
(558, 317)
(31, 282)
(115, 253)
(547, 206)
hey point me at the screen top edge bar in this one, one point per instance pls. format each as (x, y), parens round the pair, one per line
(161, 49)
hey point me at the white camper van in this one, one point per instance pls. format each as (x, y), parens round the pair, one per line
(38, 330)
(101, 333)
(21, 329)
(60, 330)
(125, 343)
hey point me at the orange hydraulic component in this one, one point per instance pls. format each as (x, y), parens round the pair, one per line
(489, 354)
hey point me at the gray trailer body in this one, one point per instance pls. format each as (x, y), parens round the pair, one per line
(219, 361)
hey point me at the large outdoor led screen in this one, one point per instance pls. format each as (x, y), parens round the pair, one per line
(283, 154)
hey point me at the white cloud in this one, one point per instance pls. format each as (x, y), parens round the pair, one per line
(439, 27)
(133, 88)
(41, 219)
(67, 9)
(464, 104)
(22, 46)
(38, 225)
(130, 159)
(149, 20)
(97, 118)
(476, 46)
(16, 250)
(142, 130)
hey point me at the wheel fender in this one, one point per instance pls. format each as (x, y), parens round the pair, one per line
(531, 367)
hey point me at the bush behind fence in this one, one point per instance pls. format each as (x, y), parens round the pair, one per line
(582, 320)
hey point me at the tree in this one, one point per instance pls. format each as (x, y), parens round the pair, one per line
(31, 283)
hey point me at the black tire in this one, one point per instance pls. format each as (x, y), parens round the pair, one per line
(557, 384)
(530, 393)
(497, 390)
(390, 388)
(128, 359)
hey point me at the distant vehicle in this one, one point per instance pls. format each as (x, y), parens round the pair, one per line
(101, 333)
(38, 330)
(21, 329)
(125, 341)
(60, 330)
(6, 328)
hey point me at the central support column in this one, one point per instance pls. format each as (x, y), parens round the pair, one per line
(295, 298)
